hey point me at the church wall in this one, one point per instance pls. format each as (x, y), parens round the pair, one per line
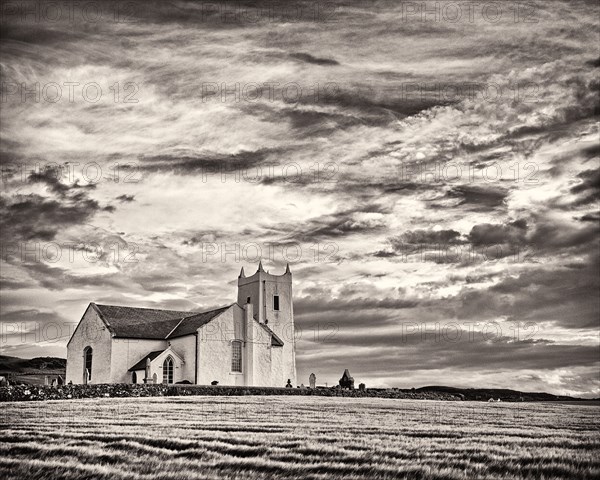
(282, 323)
(214, 348)
(186, 347)
(140, 376)
(262, 354)
(92, 332)
(278, 378)
(262, 365)
(126, 352)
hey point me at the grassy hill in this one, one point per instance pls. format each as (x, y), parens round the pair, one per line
(38, 365)
(497, 393)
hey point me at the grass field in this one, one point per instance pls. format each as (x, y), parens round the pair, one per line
(297, 437)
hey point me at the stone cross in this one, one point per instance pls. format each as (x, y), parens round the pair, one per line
(147, 378)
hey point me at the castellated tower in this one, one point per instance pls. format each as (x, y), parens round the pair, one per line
(272, 305)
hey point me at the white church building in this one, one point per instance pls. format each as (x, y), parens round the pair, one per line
(247, 343)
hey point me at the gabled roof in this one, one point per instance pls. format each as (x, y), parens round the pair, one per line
(134, 322)
(154, 324)
(141, 365)
(191, 323)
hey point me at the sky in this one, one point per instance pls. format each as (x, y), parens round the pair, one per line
(430, 171)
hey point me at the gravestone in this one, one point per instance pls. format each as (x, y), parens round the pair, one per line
(289, 384)
(361, 387)
(347, 381)
(312, 380)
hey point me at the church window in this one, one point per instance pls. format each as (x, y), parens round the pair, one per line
(134, 377)
(87, 362)
(168, 370)
(236, 356)
(248, 300)
(275, 302)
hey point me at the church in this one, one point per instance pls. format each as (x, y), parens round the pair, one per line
(247, 343)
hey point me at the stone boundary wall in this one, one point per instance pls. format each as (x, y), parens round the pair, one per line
(21, 393)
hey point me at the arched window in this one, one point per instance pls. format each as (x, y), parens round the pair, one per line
(134, 377)
(236, 356)
(168, 370)
(87, 364)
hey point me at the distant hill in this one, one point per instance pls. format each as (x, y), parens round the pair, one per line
(503, 394)
(38, 365)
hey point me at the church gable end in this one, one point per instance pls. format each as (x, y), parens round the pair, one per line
(92, 336)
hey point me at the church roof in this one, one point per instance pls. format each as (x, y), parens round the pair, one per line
(134, 322)
(275, 340)
(141, 365)
(154, 324)
(191, 323)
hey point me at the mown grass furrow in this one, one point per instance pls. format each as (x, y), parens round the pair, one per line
(298, 438)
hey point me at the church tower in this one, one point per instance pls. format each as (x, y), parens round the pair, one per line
(272, 305)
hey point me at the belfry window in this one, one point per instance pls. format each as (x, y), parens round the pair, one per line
(236, 356)
(275, 302)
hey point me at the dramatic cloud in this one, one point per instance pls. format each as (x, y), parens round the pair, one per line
(413, 171)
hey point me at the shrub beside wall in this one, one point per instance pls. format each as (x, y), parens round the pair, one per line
(19, 393)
